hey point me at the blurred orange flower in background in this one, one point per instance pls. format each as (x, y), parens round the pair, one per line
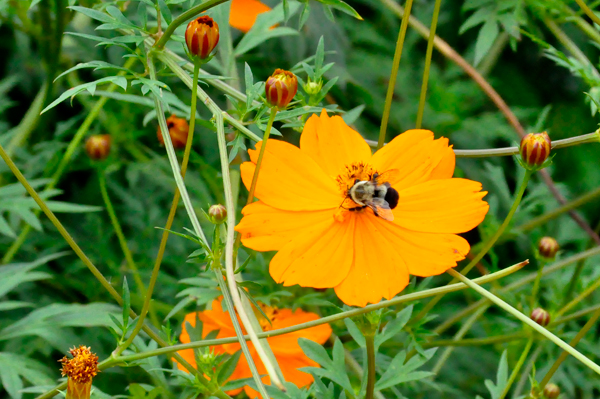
(243, 13)
(285, 347)
(326, 239)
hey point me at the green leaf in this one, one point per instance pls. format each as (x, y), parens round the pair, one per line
(228, 367)
(478, 17)
(398, 371)
(14, 274)
(126, 302)
(342, 6)
(10, 305)
(14, 368)
(94, 14)
(486, 37)
(394, 327)
(501, 378)
(334, 368)
(164, 10)
(120, 81)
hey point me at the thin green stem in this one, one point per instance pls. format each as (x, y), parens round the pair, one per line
(370, 343)
(517, 367)
(588, 291)
(488, 244)
(183, 17)
(573, 342)
(65, 234)
(536, 285)
(66, 158)
(527, 371)
(122, 240)
(576, 203)
(329, 319)
(508, 308)
(260, 155)
(392, 82)
(434, 20)
(459, 334)
(588, 12)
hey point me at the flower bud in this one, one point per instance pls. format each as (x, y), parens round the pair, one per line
(217, 214)
(540, 316)
(80, 370)
(97, 147)
(202, 36)
(548, 247)
(313, 88)
(178, 131)
(551, 391)
(280, 88)
(535, 149)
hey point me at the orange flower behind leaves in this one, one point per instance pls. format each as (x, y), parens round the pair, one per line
(325, 239)
(80, 370)
(243, 13)
(285, 347)
(178, 130)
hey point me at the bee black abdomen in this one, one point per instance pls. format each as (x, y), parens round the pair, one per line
(392, 197)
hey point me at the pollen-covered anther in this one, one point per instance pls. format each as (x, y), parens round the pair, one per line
(354, 171)
(82, 367)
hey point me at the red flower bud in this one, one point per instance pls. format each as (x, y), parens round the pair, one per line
(535, 149)
(178, 130)
(217, 214)
(97, 147)
(280, 88)
(548, 247)
(551, 391)
(202, 36)
(540, 316)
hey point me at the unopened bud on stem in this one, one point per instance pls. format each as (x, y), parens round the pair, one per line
(97, 147)
(535, 149)
(217, 214)
(548, 247)
(202, 36)
(280, 88)
(540, 316)
(551, 391)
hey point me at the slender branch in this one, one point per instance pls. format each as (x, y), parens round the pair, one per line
(429, 53)
(517, 367)
(329, 319)
(183, 18)
(260, 155)
(370, 343)
(392, 82)
(487, 245)
(121, 237)
(508, 308)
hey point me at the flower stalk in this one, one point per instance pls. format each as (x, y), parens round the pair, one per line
(517, 368)
(261, 154)
(370, 343)
(423, 97)
(392, 82)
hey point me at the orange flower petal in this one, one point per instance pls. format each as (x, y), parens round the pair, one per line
(377, 271)
(287, 344)
(441, 206)
(444, 169)
(243, 13)
(319, 257)
(332, 143)
(290, 180)
(425, 254)
(415, 155)
(265, 228)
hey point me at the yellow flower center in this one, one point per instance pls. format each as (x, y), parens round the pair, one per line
(346, 180)
(272, 314)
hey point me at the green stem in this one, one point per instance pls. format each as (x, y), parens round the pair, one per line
(434, 20)
(576, 203)
(66, 158)
(508, 308)
(415, 296)
(573, 342)
(588, 291)
(536, 285)
(260, 155)
(488, 244)
(122, 240)
(182, 18)
(517, 367)
(588, 12)
(392, 82)
(370, 343)
(517, 284)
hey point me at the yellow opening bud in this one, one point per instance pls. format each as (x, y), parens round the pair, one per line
(178, 131)
(80, 370)
(535, 149)
(202, 36)
(548, 247)
(97, 147)
(280, 88)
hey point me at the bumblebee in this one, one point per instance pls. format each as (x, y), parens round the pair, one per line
(377, 194)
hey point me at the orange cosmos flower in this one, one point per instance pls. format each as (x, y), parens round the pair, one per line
(285, 347)
(326, 239)
(243, 13)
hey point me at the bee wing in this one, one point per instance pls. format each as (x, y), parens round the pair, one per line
(381, 208)
(388, 175)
